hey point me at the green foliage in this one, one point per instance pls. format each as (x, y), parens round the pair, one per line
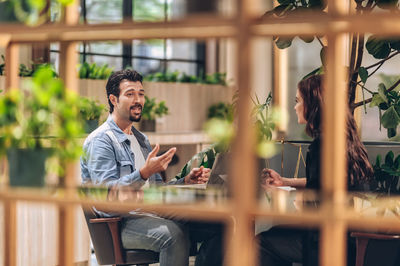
(318, 71)
(93, 71)
(2, 66)
(32, 12)
(221, 131)
(387, 173)
(26, 71)
(176, 76)
(205, 158)
(388, 102)
(91, 110)
(215, 78)
(390, 80)
(293, 8)
(265, 119)
(221, 110)
(153, 109)
(363, 73)
(44, 112)
(150, 10)
(163, 77)
(378, 47)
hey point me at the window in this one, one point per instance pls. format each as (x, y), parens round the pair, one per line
(145, 56)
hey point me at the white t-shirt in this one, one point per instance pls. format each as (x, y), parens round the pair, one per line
(139, 158)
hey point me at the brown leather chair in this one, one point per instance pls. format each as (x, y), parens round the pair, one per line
(106, 238)
(377, 249)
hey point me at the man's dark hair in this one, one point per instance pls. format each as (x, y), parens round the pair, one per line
(115, 80)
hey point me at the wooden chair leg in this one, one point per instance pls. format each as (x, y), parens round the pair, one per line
(361, 248)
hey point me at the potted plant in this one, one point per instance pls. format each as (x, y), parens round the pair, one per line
(39, 120)
(93, 71)
(220, 110)
(151, 110)
(221, 130)
(91, 112)
(387, 174)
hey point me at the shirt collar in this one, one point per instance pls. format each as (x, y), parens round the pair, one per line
(119, 134)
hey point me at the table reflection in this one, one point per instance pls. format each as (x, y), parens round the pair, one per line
(156, 195)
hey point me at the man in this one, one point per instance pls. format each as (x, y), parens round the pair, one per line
(116, 154)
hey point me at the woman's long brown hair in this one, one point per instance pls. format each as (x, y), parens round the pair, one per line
(359, 169)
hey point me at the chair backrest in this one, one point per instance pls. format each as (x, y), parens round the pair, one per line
(101, 238)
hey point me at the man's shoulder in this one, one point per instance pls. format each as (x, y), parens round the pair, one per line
(98, 133)
(140, 136)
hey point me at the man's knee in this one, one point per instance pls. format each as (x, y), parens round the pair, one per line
(170, 233)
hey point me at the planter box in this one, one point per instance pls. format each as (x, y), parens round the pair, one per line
(3, 82)
(187, 102)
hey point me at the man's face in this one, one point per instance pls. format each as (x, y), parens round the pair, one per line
(130, 102)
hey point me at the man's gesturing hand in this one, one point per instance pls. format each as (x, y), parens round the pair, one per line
(155, 164)
(198, 176)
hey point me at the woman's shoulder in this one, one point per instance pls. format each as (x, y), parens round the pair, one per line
(315, 145)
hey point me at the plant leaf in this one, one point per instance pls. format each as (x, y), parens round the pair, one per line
(391, 132)
(390, 118)
(397, 163)
(389, 158)
(378, 48)
(387, 4)
(283, 42)
(286, 2)
(395, 44)
(378, 161)
(363, 73)
(314, 72)
(307, 39)
(376, 100)
(382, 92)
(322, 55)
(320, 4)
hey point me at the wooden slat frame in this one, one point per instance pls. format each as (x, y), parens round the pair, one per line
(242, 28)
(68, 72)
(10, 230)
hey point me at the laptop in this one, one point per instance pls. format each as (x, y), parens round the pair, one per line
(218, 174)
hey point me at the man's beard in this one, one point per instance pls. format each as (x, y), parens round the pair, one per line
(136, 118)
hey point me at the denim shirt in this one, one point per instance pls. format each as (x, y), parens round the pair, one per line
(108, 159)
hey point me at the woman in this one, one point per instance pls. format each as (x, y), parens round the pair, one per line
(283, 246)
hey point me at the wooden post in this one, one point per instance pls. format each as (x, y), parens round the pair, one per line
(241, 249)
(10, 233)
(68, 72)
(334, 176)
(10, 207)
(12, 63)
(280, 85)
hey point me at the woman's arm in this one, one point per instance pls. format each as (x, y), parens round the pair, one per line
(295, 182)
(272, 178)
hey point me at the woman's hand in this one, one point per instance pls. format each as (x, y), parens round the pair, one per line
(271, 178)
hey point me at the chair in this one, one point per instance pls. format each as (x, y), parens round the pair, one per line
(105, 235)
(377, 249)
